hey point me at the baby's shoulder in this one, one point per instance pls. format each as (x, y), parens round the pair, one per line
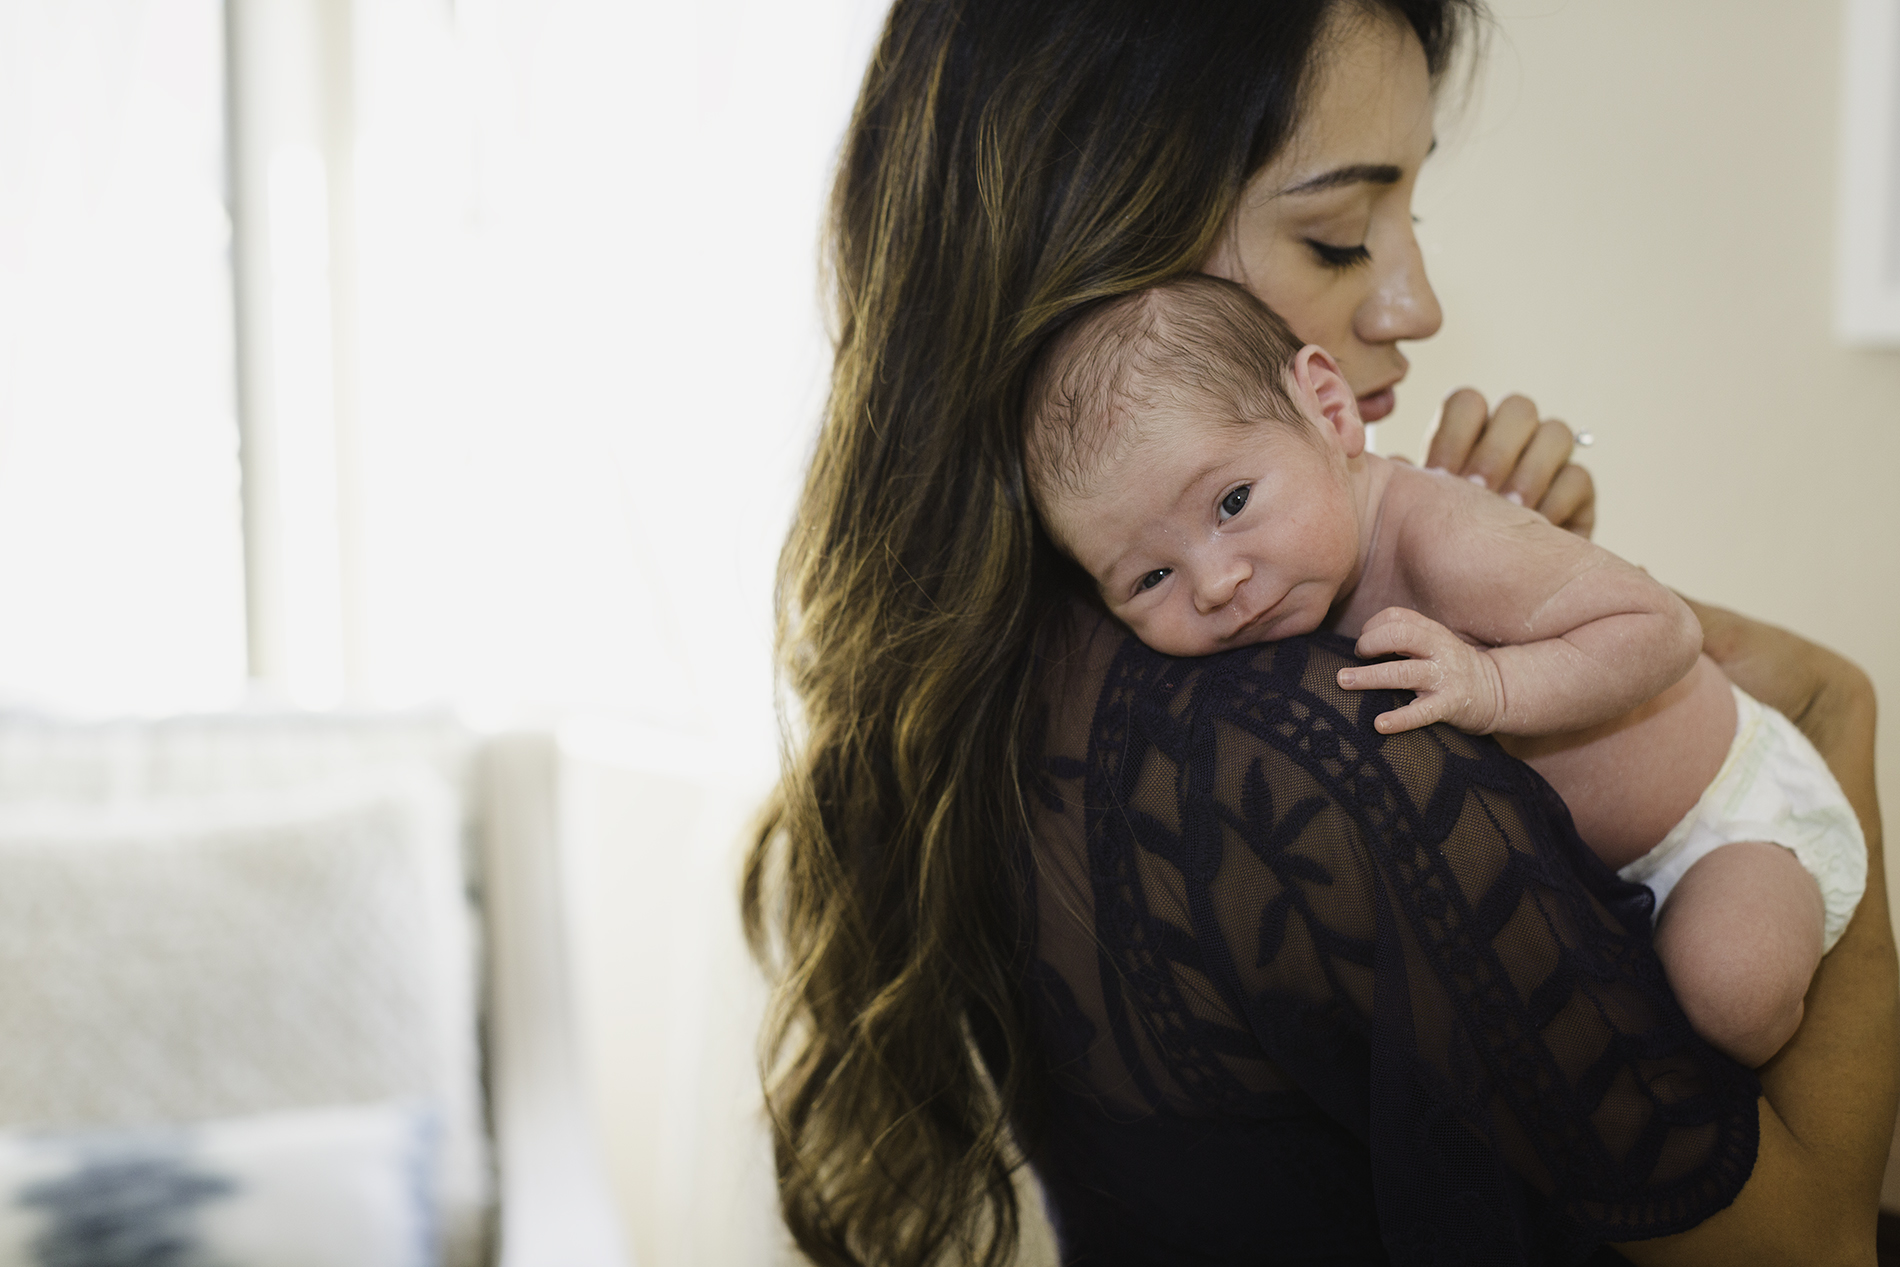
(1423, 511)
(1411, 488)
(1442, 530)
(1425, 505)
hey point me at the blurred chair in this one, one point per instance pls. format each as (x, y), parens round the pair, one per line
(276, 941)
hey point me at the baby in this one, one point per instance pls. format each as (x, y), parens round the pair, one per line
(1211, 475)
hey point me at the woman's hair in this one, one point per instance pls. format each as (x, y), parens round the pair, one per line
(1008, 163)
(1194, 342)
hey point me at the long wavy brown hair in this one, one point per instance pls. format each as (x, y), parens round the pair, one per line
(1008, 163)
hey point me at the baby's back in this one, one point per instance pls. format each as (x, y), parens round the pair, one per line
(1628, 779)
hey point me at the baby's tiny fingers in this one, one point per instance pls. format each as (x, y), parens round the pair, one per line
(1414, 637)
(1390, 640)
(1414, 715)
(1394, 675)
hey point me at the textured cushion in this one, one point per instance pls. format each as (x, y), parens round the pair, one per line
(212, 955)
(340, 1187)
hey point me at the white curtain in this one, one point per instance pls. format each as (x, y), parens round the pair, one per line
(120, 559)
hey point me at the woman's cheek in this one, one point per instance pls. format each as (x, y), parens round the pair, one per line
(1318, 302)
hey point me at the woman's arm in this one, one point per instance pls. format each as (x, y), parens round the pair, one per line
(1829, 1097)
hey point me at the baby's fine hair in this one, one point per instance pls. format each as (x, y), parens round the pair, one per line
(1195, 342)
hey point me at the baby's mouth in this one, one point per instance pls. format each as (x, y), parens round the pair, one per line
(1251, 629)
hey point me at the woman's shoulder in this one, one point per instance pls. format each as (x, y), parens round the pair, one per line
(1116, 706)
(1253, 773)
(1243, 889)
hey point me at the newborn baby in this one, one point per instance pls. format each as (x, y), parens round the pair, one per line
(1211, 475)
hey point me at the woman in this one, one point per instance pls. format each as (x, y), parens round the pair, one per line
(1243, 980)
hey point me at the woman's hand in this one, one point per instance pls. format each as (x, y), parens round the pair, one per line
(1515, 453)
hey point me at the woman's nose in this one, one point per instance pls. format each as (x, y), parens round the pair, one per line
(1402, 304)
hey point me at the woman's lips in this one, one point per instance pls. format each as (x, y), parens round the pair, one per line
(1377, 405)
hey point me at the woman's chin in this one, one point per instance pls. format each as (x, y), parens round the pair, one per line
(1377, 405)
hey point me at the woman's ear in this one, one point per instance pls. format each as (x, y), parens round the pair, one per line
(1322, 393)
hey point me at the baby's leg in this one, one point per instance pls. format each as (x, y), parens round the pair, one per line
(1740, 938)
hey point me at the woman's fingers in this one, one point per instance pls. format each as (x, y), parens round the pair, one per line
(1571, 502)
(1507, 436)
(1460, 422)
(1539, 463)
(1511, 450)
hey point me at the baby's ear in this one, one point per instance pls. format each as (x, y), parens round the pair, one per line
(1323, 395)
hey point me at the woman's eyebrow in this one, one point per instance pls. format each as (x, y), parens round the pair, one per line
(1352, 174)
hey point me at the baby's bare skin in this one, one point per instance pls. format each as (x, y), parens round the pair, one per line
(1607, 696)
(1203, 537)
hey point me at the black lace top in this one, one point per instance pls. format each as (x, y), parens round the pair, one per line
(1311, 994)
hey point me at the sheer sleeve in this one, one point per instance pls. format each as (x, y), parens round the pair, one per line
(1244, 893)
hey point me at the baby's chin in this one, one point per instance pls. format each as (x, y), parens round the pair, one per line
(1272, 626)
(1191, 645)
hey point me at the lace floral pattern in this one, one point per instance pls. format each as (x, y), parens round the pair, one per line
(1311, 993)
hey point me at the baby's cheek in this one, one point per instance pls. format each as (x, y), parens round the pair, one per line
(1176, 636)
(1150, 629)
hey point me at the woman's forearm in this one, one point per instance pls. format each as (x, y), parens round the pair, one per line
(1829, 1096)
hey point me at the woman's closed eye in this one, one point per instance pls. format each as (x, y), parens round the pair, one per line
(1340, 257)
(1234, 502)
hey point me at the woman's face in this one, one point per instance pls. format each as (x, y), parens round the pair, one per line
(1323, 234)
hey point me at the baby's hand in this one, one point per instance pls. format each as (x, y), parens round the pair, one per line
(1455, 682)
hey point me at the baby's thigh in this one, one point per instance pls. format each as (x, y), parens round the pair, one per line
(1740, 937)
(1630, 780)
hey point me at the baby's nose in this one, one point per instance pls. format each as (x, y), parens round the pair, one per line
(1218, 586)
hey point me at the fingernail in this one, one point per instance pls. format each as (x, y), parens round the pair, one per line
(1345, 677)
(1514, 497)
(1478, 480)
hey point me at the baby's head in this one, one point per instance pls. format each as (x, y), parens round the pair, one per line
(1199, 463)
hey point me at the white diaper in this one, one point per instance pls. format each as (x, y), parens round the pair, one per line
(1773, 786)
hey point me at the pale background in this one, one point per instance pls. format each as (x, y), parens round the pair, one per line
(559, 259)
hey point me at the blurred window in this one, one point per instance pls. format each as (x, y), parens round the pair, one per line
(531, 352)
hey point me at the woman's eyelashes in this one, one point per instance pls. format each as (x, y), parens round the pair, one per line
(1235, 502)
(1339, 257)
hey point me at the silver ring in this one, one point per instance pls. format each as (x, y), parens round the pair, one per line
(1585, 439)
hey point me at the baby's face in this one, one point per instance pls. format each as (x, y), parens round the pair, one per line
(1203, 537)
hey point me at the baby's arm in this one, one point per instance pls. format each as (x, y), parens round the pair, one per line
(1513, 626)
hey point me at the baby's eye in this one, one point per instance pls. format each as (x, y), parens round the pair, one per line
(1233, 503)
(1153, 579)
